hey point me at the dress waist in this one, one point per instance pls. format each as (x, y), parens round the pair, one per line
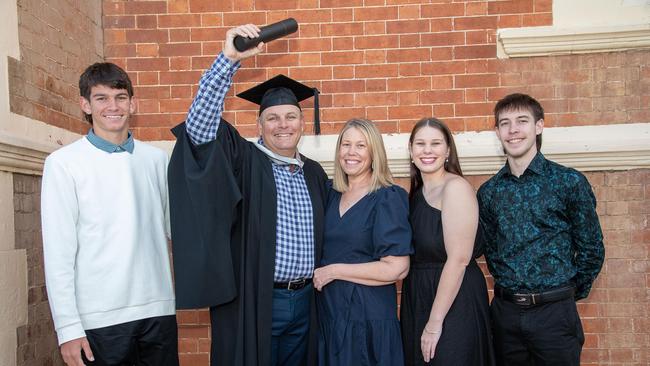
(429, 265)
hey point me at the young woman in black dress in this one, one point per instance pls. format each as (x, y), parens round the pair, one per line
(444, 308)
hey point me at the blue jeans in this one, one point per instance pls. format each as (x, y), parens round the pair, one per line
(290, 326)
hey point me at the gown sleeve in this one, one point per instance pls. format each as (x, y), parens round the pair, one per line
(203, 197)
(391, 229)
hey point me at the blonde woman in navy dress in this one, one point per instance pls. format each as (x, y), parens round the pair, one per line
(444, 307)
(366, 250)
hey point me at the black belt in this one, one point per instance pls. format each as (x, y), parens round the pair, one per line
(539, 298)
(293, 285)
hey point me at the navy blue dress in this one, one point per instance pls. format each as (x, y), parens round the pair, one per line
(358, 323)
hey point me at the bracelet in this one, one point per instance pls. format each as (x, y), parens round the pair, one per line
(432, 331)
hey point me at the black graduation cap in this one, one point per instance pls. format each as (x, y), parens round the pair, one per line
(282, 90)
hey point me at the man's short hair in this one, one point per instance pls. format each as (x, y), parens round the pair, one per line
(103, 73)
(518, 101)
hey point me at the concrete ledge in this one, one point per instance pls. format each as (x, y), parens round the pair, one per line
(544, 41)
(586, 148)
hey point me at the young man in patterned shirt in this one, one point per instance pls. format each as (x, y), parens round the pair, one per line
(543, 243)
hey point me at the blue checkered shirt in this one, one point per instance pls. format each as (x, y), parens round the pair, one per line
(294, 242)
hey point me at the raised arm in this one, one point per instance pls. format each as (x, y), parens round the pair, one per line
(205, 113)
(459, 224)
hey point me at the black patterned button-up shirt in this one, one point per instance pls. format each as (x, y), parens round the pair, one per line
(541, 229)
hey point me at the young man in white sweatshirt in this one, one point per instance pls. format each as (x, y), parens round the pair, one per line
(105, 228)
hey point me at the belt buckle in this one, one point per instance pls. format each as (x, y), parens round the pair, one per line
(299, 283)
(524, 299)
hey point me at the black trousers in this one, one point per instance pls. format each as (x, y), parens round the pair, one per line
(546, 334)
(145, 342)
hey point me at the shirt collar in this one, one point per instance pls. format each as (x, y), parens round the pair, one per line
(279, 159)
(536, 166)
(128, 145)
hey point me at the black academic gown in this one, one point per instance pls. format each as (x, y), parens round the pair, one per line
(223, 220)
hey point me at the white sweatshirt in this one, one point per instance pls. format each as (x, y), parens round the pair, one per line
(105, 228)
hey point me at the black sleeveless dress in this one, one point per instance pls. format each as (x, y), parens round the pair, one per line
(466, 338)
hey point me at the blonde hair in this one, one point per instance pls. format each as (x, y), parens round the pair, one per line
(381, 175)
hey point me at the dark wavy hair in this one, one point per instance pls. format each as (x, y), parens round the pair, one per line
(452, 164)
(518, 101)
(103, 73)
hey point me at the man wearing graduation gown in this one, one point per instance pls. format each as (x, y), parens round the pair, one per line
(247, 219)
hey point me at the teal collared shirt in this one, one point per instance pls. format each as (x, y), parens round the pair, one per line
(110, 147)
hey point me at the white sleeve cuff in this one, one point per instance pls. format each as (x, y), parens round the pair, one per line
(70, 332)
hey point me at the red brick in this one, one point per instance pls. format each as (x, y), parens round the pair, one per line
(375, 13)
(113, 8)
(408, 11)
(179, 35)
(440, 25)
(147, 78)
(537, 20)
(376, 85)
(473, 52)
(320, 16)
(475, 80)
(341, 29)
(147, 64)
(342, 15)
(409, 112)
(177, 6)
(510, 7)
(147, 36)
(310, 45)
(474, 109)
(146, 21)
(311, 73)
(374, 71)
(212, 20)
(121, 21)
(145, 7)
(484, 22)
(120, 50)
(206, 6)
(477, 8)
(444, 67)
(409, 83)
(277, 60)
(408, 55)
(179, 49)
(407, 26)
(374, 28)
(442, 10)
(253, 17)
(375, 99)
(342, 58)
(442, 53)
(340, 3)
(179, 20)
(181, 63)
(343, 86)
(200, 359)
(276, 4)
(443, 38)
(441, 96)
(340, 114)
(374, 42)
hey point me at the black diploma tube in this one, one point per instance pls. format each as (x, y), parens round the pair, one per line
(267, 34)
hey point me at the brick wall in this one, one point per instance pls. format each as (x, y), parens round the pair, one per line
(58, 40)
(37, 343)
(614, 316)
(391, 61)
